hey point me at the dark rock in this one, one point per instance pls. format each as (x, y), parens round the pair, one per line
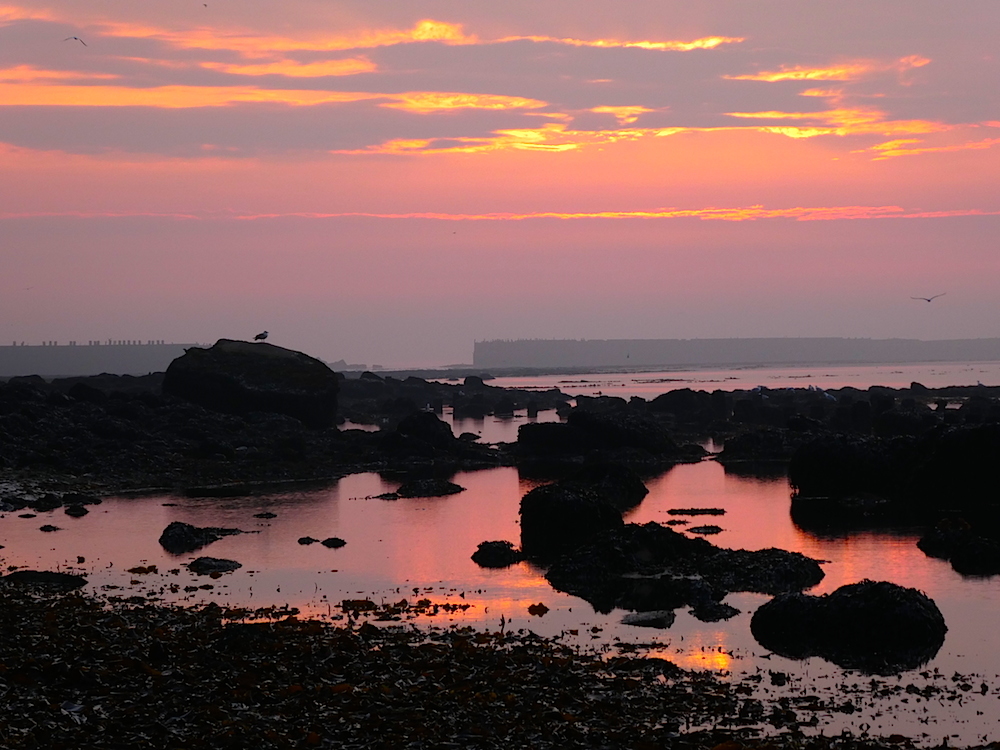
(557, 519)
(207, 565)
(428, 488)
(652, 567)
(266, 514)
(333, 542)
(709, 529)
(47, 502)
(180, 537)
(710, 611)
(45, 579)
(618, 485)
(87, 393)
(500, 554)
(970, 554)
(76, 511)
(660, 619)
(48, 527)
(426, 427)
(307, 540)
(238, 377)
(79, 498)
(875, 626)
(697, 511)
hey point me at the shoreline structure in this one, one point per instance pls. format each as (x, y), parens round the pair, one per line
(635, 354)
(526, 357)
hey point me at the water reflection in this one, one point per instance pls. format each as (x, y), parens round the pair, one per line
(422, 548)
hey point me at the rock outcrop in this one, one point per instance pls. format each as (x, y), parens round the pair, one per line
(652, 567)
(180, 537)
(499, 554)
(558, 518)
(238, 377)
(874, 626)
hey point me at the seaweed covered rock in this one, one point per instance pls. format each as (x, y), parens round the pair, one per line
(619, 485)
(47, 580)
(615, 435)
(429, 488)
(180, 537)
(874, 626)
(557, 518)
(204, 566)
(238, 377)
(499, 554)
(969, 553)
(652, 567)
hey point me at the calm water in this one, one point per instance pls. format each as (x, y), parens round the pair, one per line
(421, 548)
(648, 385)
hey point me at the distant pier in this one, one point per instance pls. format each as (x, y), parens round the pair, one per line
(630, 354)
(51, 359)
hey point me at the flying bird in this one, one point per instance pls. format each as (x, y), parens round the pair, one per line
(260, 336)
(70, 38)
(930, 299)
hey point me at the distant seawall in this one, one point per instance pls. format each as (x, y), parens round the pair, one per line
(647, 353)
(93, 359)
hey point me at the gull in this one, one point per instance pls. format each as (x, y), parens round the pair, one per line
(260, 336)
(930, 299)
(69, 38)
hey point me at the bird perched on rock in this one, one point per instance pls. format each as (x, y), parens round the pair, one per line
(260, 336)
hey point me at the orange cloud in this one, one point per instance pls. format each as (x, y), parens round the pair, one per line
(11, 13)
(624, 115)
(744, 213)
(292, 69)
(843, 121)
(904, 147)
(427, 30)
(30, 74)
(431, 101)
(709, 42)
(172, 97)
(248, 42)
(169, 97)
(849, 71)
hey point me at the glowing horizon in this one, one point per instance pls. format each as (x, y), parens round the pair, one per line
(674, 141)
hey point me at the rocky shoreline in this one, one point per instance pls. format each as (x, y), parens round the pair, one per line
(82, 672)
(208, 677)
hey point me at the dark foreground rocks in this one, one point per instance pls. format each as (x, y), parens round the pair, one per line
(652, 567)
(238, 377)
(874, 626)
(179, 537)
(89, 675)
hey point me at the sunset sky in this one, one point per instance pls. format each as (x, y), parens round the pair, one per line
(386, 182)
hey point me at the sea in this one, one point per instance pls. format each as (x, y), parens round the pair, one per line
(421, 548)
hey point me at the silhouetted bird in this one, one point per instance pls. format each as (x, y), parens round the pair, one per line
(930, 299)
(69, 38)
(260, 336)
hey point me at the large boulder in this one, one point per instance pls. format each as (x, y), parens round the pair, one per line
(875, 626)
(557, 518)
(237, 377)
